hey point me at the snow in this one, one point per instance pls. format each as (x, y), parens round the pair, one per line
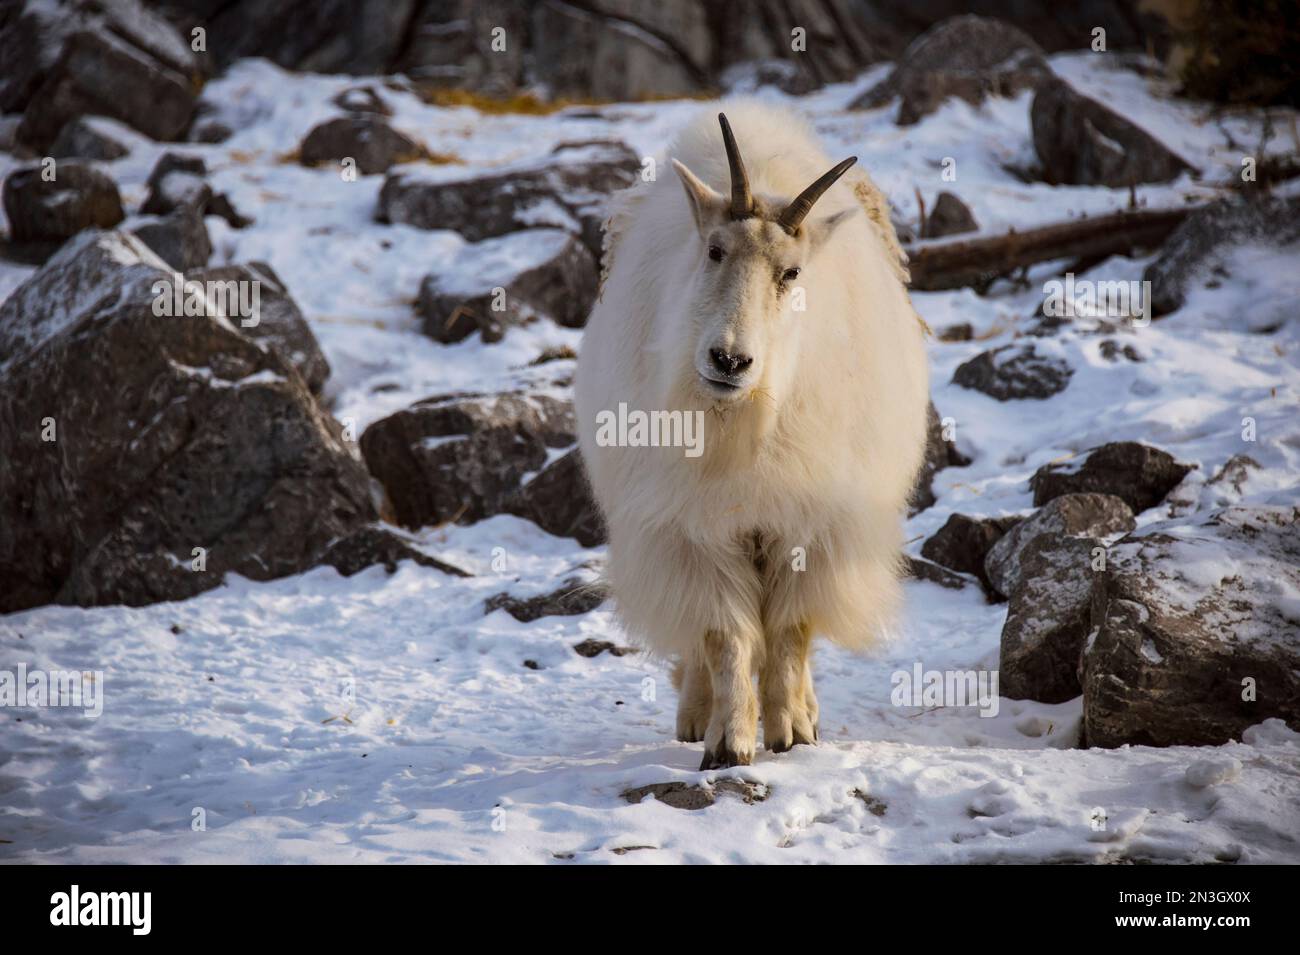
(385, 718)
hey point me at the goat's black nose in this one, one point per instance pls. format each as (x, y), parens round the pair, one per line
(727, 363)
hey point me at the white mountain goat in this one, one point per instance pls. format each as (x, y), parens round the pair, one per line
(779, 308)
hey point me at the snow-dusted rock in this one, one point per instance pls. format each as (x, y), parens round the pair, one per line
(461, 457)
(148, 455)
(1014, 371)
(1197, 631)
(1137, 473)
(377, 544)
(180, 239)
(558, 500)
(86, 137)
(365, 138)
(963, 543)
(940, 453)
(573, 597)
(1048, 618)
(1081, 142)
(70, 58)
(1199, 244)
(1072, 515)
(177, 182)
(280, 323)
(970, 57)
(565, 190)
(79, 197)
(510, 280)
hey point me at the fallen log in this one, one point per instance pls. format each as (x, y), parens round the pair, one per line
(955, 263)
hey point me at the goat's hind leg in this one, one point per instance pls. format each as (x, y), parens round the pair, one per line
(785, 687)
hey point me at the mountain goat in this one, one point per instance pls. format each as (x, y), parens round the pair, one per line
(775, 311)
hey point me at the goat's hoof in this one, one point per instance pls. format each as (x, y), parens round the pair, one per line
(724, 757)
(690, 736)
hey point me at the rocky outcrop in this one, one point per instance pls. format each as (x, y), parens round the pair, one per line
(498, 283)
(180, 239)
(366, 139)
(463, 457)
(1081, 142)
(1138, 474)
(963, 543)
(969, 57)
(1070, 515)
(202, 453)
(177, 183)
(1193, 251)
(88, 137)
(70, 58)
(1197, 631)
(1014, 372)
(558, 499)
(50, 210)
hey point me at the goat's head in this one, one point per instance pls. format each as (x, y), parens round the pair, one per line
(752, 252)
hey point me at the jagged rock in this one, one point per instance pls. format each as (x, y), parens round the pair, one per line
(1228, 483)
(934, 573)
(69, 58)
(970, 57)
(575, 597)
(278, 323)
(1199, 244)
(687, 796)
(365, 138)
(86, 137)
(1014, 372)
(1048, 618)
(1197, 631)
(1137, 473)
(950, 216)
(376, 544)
(539, 272)
(1070, 515)
(198, 438)
(362, 99)
(566, 190)
(462, 457)
(558, 499)
(177, 182)
(1081, 142)
(963, 543)
(939, 453)
(79, 197)
(180, 239)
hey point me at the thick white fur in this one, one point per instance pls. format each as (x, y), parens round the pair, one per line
(821, 457)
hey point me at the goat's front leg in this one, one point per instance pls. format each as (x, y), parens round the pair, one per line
(733, 723)
(785, 686)
(694, 699)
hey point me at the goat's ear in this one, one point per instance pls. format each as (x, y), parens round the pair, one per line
(821, 230)
(706, 202)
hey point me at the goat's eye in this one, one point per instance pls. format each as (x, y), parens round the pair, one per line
(789, 275)
(716, 253)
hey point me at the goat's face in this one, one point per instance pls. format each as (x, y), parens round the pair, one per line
(751, 253)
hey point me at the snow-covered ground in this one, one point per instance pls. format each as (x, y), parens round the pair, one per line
(386, 718)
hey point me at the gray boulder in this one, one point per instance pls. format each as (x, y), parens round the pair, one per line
(963, 543)
(365, 138)
(85, 137)
(1014, 372)
(558, 499)
(180, 239)
(1137, 473)
(79, 197)
(939, 454)
(950, 216)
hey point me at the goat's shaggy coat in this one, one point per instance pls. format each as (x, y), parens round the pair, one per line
(789, 524)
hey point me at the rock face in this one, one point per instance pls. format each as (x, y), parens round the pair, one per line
(970, 57)
(70, 58)
(939, 453)
(1081, 142)
(365, 138)
(567, 191)
(963, 543)
(202, 453)
(1138, 474)
(558, 499)
(1012, 372)
(950, 216)
(508, 281)
(462, 457)
(279, 322)
(1070, 515)
(1193, 249)
(1049, 618)
(1198, 632)
(79, 197)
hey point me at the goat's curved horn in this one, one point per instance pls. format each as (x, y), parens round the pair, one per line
(742, 203)
(793, 214)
